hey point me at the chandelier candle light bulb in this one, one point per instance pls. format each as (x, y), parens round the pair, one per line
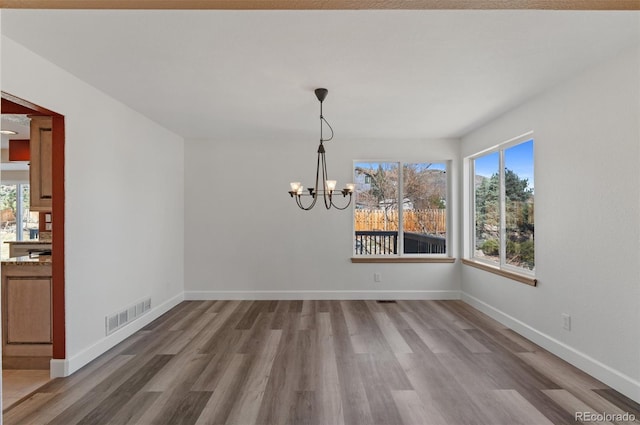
(328, 186)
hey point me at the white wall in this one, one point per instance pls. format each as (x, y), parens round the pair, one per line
(124, 224)
(246, 238)
(587, 171)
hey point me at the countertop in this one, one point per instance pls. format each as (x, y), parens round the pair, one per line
(43, 260)
(29, 242)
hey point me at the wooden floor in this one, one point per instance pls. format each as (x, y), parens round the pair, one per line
(18, 383)
(324, 363)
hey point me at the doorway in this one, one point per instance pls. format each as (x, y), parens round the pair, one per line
(51, 222)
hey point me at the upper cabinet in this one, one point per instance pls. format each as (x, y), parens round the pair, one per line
(40, 174)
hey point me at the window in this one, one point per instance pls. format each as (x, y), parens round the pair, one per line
(17, 223)
(411, 196)
(503, 206)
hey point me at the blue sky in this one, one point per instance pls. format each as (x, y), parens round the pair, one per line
(518, 159)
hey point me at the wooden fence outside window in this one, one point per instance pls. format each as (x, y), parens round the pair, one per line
(432, 221)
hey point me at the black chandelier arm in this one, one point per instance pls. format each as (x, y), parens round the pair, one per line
(316, 188)
(342, 208)
(313, 192)
(326, 195)
(327, 200)
(299, 202)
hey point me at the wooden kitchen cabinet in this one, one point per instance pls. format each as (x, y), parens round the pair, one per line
(40, 170)
(26, 316)
(29, 310)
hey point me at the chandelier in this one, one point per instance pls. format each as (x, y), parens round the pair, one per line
(328, 190)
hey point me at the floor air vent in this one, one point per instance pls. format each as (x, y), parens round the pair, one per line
(115, 321)
(386, 301)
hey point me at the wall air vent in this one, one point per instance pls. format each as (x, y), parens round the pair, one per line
(115, 321)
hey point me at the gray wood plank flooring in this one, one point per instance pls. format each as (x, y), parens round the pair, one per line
(322, 363)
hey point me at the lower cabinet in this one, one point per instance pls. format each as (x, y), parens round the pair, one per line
(26, 314)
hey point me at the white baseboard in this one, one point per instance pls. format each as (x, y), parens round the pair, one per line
(65, 367)
(322, 295)
(611, 377)
(58, 368)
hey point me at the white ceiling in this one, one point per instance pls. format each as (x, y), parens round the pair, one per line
(238, 75)
(14, 122)
(20, 124)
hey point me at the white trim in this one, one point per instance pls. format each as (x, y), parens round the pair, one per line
(321, 295)
(502, 145)
(58, 368)
(502, 200)
(65, 367)
(400, 201)
(470, 208)
(611, 377)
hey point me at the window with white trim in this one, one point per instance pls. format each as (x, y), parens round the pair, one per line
(392, 195)
(502, 206)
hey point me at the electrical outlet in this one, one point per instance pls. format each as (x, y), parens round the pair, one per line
(377, 277)
(566, 321)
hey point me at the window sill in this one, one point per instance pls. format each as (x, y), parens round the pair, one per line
(390, 259)
(522, 278)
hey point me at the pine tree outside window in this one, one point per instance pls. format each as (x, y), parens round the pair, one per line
(503, 206)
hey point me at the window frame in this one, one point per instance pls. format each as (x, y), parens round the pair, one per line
(501, 267)
(400, 256)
